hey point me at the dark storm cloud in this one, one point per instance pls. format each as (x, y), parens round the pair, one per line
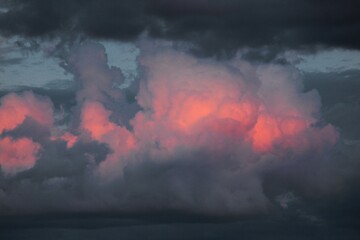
(341, 107)
(121, 19)
(213, 26)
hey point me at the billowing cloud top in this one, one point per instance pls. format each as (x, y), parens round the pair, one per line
(207, 137)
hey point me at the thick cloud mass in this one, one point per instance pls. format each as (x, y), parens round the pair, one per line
(214, 127)
(224, 138)
(213, 26)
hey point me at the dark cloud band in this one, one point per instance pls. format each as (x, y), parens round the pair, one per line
(213, 26)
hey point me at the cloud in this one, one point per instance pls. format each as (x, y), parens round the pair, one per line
(193, 138)
(202, 136)
(17, 155)
(15, 108)
(195, 100)
(213, 27)
(339, 92)
(20, 154)
(94, 77)
(203, 140)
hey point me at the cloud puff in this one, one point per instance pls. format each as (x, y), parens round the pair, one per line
(20, 154)
(17, 155)
(15, 108)
(186, 99)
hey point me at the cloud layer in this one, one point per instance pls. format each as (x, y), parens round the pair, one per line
(212, 26)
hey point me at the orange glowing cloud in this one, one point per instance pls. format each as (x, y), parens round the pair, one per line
(270, 131)
(95, 121)
(186, 100)
(186, 104)
(182, 95)
(221, 127)
(69, 138)
(16, 107)
(265, 133)
(17, 155)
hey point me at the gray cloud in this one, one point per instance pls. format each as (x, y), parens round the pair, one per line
(340, 97)
(213, 27)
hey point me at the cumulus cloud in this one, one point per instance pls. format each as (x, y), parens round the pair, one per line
(20, 154)
(15, 108)
(263, 106)
(17, 155)
(204, 136)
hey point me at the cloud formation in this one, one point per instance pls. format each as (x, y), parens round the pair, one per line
(225, 138)
(20, 154)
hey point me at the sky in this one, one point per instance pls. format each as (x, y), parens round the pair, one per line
(183, 119)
